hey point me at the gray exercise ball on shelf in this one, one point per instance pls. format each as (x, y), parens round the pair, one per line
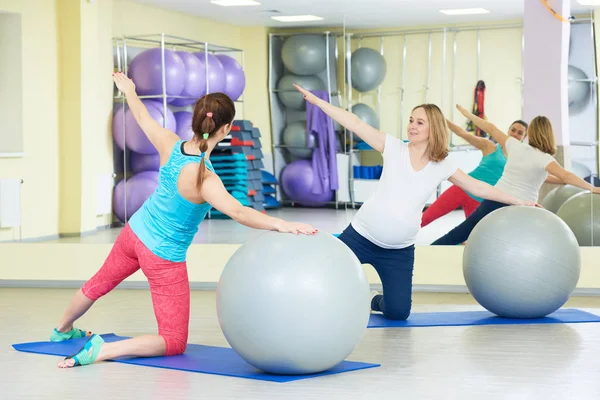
(304, 54)
(294, 134)
(292, 98)
(580, 92)
(367, 115)
(368, 69)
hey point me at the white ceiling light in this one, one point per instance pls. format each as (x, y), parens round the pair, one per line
(297, 18)
(465, 11)
(235, 3)
(593, 3)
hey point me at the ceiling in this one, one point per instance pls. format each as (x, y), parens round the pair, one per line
(354, 13)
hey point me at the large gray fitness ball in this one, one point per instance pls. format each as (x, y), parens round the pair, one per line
(293, 304)
(294, 135)
(579, 92)
(582, 213)
(558, 196)
(292, 98)
(304, 54)
(521, 262)
(368, 68)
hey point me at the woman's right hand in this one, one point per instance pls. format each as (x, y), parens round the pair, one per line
(296, 228)
(462, 110)
(124, 84)
(308, 96)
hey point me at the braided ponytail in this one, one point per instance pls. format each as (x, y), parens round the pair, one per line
(211, 113)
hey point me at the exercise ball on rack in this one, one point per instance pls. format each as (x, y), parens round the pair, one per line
(144, 162)
(235, 80)
(295, 135)
(135, 138)
(184, 125)
(297, 180)
(292, 98)
(579, 92)
(195, 79)
(146, 72)
(368, 69)
(366, 114)
(304, 54)
(133, 192)
(216, 72)
(582, 213)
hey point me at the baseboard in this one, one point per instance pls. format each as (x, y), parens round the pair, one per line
(51, 284)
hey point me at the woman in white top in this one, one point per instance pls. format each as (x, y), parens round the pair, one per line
(527, 168)
(383, 231)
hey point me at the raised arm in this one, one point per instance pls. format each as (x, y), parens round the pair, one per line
(483, 144)
(373, 137)
(570, 178)
(162, 139)
(485, 190)
(486, 126)
(216, 195)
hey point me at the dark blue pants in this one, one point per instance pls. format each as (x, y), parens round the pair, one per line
(461, 233)
(395, 268)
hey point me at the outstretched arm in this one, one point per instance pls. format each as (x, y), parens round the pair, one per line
(486, 126)
(216, 195)
(554, 180)
(162, 139)
(485, 190)
(373, 137)
(483, 144)
(570, 178)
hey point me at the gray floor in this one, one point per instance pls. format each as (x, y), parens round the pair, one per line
(227, 231)
(479, 362)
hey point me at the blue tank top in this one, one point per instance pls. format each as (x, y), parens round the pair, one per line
(167, 222)
(490, 169)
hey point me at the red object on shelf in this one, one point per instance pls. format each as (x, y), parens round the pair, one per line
(238, 142)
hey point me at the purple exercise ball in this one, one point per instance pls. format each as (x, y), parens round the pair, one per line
(235, 80)
(195, 79)
(137, 189)
(184, 125)
(297, 181)
(144, 162)
(135, 138)
(146, 72)
(216, 72)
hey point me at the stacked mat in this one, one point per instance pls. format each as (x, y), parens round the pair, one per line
(268, 184)
(238, 161)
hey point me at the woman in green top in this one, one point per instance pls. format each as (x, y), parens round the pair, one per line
(489, 170)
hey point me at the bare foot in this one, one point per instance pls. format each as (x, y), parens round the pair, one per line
(68, 363)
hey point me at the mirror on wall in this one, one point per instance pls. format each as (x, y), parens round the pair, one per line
(270, 161)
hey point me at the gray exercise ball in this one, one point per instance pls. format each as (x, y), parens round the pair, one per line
(293, 304)
(558, 196)
(294, 134)
(304, 54)
(579, 92)
(582, 213)
(366, 114)
(292, 98)
(521, 262)
(368, 69)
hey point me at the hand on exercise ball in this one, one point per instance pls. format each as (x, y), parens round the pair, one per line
(296, 227)
(124, 84)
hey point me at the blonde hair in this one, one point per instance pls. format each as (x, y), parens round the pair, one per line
(541, 135)
(439, 138)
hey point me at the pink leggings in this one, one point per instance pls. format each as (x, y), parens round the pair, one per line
(450, 200)
(168, 281)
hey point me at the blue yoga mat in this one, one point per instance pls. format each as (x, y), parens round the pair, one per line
(197, 358)
(464, 318)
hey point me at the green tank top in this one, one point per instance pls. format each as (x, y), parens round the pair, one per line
(490, 169)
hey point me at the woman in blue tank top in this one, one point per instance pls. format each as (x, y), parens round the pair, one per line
(489, 170)
(158, 235)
